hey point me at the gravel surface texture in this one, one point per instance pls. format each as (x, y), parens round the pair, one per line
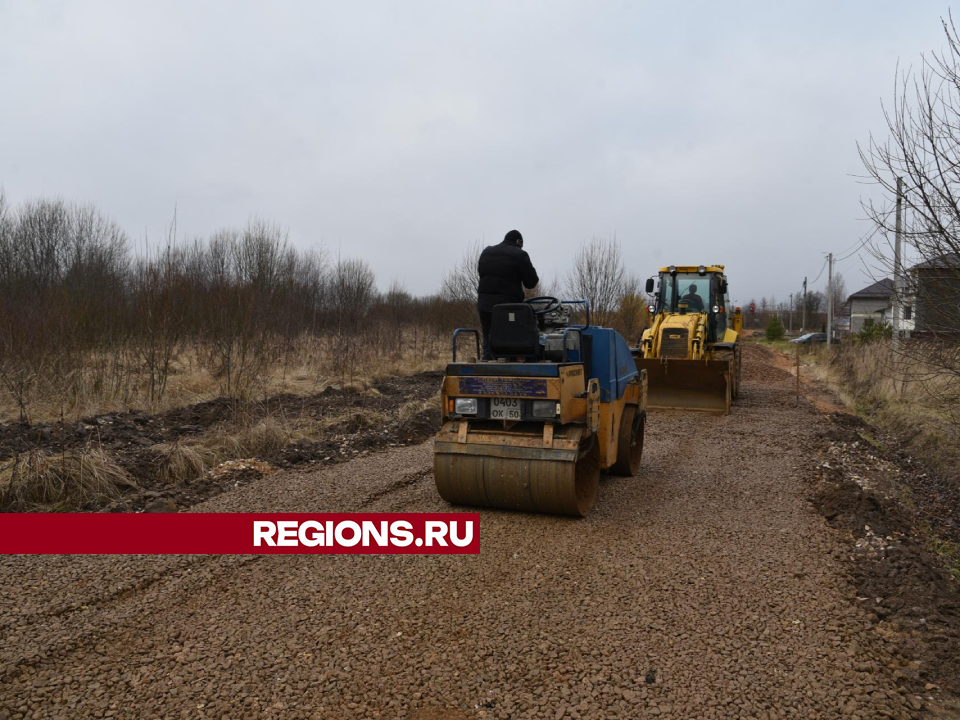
(707, 587)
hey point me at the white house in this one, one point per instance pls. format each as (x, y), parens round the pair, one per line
(876, 302)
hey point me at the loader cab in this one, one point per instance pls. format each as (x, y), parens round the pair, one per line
(694, 290)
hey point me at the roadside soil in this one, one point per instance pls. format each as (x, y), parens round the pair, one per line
(736, 576)
(131, 438)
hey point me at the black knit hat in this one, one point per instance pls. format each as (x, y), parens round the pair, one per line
(513, 237)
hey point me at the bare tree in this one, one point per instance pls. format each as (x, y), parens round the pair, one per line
(838, 294)
(923, 148)
(461, 285)
(600, 276)
(352, 290)
(158, 293)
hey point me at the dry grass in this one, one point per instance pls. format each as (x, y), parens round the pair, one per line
(898, 395)
(187, 460)
(355, 421)
(114, 383)
(179, 461)
(415, 407)
(870, 378)
(264, 438)
(72, 479)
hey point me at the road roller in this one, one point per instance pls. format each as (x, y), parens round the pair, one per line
(691, 351)
(533, 428)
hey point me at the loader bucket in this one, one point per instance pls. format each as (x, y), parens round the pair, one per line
(513, 471)
(677, 384)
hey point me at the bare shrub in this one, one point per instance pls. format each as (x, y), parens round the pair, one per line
(240, 268)
(161, 308)
(63, 269)
(352, 291)
(461, 285)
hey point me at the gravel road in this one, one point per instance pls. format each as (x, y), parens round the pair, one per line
(704, 587)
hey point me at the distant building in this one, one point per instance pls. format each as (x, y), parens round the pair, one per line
(933, 295)
(876, 302)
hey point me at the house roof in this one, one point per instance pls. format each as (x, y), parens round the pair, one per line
(948, 260)
(881, 289)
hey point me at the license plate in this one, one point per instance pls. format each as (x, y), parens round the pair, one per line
(504, 409)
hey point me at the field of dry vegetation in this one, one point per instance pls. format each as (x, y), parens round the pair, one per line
(89, 327)
(127, 375)
(90, 330)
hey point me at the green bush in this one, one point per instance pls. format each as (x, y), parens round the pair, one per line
(775, 329)
(872, 331)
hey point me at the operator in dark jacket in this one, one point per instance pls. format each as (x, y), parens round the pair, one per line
(694, 302)
(505, 269)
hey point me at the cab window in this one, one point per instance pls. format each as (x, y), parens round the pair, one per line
(690, 288)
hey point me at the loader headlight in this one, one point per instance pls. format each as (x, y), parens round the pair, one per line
(716, 308)
(546, 408)
(465, 406)
(651, 308)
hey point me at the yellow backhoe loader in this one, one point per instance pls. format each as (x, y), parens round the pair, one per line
(691, 351)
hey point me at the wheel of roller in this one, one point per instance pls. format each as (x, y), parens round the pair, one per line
(735, 372)
(630, 442)
(587, 475)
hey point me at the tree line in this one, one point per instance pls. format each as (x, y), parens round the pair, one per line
(78, 304)
(84, 311)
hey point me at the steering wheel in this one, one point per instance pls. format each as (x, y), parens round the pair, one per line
(549, 304)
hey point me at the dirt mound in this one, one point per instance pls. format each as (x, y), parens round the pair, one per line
(912, 600)
(852, 508)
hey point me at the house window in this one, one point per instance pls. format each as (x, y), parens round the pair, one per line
(908, 312)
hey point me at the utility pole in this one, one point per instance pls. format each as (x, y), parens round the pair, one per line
(791, 313)
(803, 328)
(897, 270)
(829, 299)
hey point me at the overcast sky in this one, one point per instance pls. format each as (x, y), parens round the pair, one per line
(399, 132)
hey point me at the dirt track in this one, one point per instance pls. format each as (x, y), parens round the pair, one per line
(707, 586)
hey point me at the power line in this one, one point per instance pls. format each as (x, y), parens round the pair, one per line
(859, 247)
(820, 273)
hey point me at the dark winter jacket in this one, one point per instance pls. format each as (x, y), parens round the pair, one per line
(694, 302)
(504, 270)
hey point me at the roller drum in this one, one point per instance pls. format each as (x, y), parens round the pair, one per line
(556, 482)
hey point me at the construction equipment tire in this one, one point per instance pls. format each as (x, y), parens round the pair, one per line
(630, 442)
(735, 372)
